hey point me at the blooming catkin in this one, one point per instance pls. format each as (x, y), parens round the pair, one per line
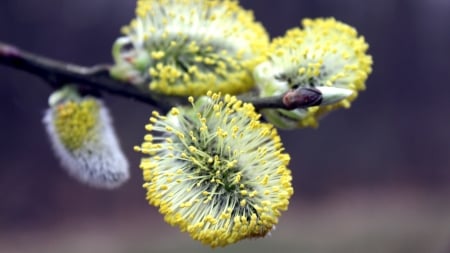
(84, 140)
(216, 171)
(186, 47)
(325, 53)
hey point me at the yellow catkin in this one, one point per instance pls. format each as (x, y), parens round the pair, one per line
(198, 45)
(325, 52)
(209, 183)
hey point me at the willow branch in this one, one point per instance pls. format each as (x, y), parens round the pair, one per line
(97, 77)
(57, 72)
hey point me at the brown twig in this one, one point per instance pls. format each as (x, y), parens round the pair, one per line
(97, 78)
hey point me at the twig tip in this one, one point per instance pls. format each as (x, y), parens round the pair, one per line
(8, 50)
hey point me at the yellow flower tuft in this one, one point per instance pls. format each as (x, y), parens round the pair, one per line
(216, 171)
(194, 46)
(75, 121)
(325, 52)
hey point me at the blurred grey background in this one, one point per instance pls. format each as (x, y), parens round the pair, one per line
(374, 178)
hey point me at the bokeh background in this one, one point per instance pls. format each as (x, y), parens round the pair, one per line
(374, 178)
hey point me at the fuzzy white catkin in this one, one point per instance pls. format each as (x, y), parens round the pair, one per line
(99, 162)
